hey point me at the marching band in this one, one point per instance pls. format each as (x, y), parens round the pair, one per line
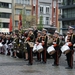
(40, 43)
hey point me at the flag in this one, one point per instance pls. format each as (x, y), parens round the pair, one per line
(20, 22)
(10, 24)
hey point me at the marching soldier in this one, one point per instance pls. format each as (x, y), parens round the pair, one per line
(25, 46)
(38, 40)
(61, 43)
(25, 51)
(44, 43)
(50, 40)
(70, 54)
(56, 42)
(30, 39)
(49, 43)
(35, 32)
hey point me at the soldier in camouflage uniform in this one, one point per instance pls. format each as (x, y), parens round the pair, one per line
(20, 47)
(15, 45)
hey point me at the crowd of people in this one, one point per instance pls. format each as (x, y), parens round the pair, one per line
(39, 43)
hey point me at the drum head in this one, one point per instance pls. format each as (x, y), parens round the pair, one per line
(35, 51)
(52, 52)
(67, 51)
(40, 50)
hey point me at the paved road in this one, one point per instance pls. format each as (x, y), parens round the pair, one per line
(16, 66)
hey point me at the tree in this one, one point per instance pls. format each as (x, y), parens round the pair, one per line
(40, 25)
(74, 1)
(23, 18)
(31, 20)
(27, 20)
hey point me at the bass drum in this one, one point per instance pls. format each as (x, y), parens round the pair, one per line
(65, 49)
(51, 50)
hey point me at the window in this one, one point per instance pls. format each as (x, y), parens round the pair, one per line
(5, 15)
(23, 1)
(28, 2)
(69, 13)
(10, 6)
(68, 23)
(59, 0)
(28, 12)
(16, 23)
(73, 13)
(19, 1)
(65, 24)
(16, 1)
(60, 10)
(65, 13)
(5, 5)
(47, 10)
(4, 25)
(1, 25)
(18, 11)
(47, 20)
(41, 9)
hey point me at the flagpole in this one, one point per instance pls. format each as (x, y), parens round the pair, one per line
(24, 13)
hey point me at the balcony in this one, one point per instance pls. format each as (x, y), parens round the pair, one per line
(65, 18)
(21, 6)
(65, 6)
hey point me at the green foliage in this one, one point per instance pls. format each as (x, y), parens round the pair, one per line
(63, 3)
(27, 20)
(40, 26)
(74, 1)
(23, 18)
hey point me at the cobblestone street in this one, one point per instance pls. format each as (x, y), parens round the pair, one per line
(16, 66)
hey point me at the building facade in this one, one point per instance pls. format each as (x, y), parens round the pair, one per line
(5, 12)
(12, 8)
(67, 16)
(45, 9)
(35, 8)
(21, 5)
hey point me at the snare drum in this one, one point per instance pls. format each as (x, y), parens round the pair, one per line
(39, 47)
(31, 44)
(51, 50)
(35, 48)
(1, 45)
(65, 49)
